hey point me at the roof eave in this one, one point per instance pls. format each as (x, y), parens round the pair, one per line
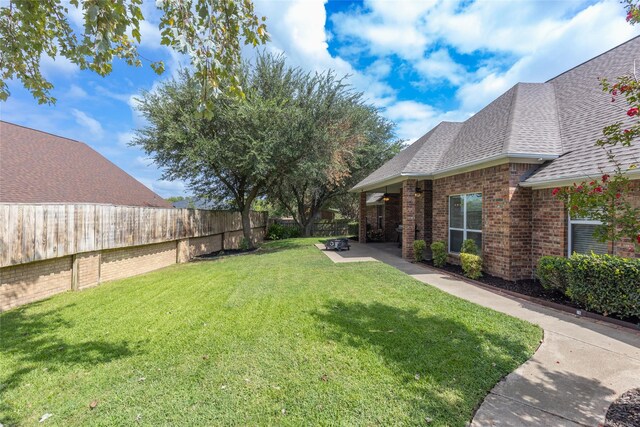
(538, 157)
(563, 181)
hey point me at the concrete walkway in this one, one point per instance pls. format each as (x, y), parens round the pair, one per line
(579, 369)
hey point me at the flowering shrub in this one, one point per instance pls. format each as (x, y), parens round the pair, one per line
(606, 199)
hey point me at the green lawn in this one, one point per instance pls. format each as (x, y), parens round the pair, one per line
(280, 337)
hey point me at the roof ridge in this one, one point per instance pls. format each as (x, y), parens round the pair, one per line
(41, 131)
(591, 59)
(509, 128)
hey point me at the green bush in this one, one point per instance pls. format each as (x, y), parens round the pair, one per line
(471, 265)
(606, 284)
(469, 246)
(553, 272)
(353, 228)
(418, 249)
(278, 232)
(244, 244)
(439, 253)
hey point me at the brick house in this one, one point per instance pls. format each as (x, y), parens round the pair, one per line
(490, 177)
(38, 167)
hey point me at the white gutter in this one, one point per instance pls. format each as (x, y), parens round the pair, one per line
(540, 158)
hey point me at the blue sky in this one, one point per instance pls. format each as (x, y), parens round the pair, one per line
(420, 62)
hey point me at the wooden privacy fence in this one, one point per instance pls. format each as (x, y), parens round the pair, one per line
(38, 232)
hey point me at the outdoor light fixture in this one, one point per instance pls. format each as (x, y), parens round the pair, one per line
(385, 196)
(418, 192)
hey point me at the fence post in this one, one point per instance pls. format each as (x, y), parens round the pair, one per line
(74, 272)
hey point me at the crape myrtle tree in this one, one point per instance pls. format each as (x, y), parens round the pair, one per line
(353, 140)
(245, 146)
(609, 198)
(210, 32)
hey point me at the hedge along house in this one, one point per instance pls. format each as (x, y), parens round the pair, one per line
(490, 178)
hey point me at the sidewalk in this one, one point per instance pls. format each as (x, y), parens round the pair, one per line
(579, 369)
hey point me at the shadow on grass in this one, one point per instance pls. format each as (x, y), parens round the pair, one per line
(34, 341)
(456, 366)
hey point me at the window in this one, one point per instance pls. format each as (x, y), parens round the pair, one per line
(465, 220)
(581, 238)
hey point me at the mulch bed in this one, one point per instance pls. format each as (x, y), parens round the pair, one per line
(219, 254)
(625, 410)
(531, 288)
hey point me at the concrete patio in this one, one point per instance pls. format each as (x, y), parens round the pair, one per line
(581, 366)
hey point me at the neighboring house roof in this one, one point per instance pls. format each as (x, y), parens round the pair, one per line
(194, 204)
(38, 167)
(559, 120)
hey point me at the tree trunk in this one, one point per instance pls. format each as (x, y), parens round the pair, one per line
(246, 225)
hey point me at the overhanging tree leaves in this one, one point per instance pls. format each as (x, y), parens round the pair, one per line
(244, 147)
(211, 32)
(610, 198)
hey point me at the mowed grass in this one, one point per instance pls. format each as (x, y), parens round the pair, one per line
(278, 337)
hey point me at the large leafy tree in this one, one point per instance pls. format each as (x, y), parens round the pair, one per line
(245, 147)
(211, 32)
(354, 139)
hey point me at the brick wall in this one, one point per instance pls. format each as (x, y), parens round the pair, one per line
(87, 269)
(126, 262)
(34, 281)
(550, 226)
(205, 245)
(506, 215)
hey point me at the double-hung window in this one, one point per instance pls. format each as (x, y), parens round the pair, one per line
(581, 238)
(465, 220)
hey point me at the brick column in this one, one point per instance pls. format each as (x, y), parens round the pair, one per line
(408, 217)
(182, 251)
(362, 226)
(420, 210)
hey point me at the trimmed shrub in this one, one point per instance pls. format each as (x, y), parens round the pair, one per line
(606, 284)
(353, 228)
(278, 232)
(439, 253)
(553, 272)
(469, 246)
(418, 249)
(471, 265)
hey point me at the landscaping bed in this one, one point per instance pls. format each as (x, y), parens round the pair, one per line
(531, 288)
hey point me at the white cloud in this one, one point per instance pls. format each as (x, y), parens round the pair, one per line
(57, 67)
(124, 138)
(76, 92)
(89, 123)
(440, 66)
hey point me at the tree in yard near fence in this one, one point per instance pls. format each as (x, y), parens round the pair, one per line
(245, 147)
(351, 139)
(211, 32)
(609, 198)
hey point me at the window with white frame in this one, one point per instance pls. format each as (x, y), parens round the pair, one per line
(581, 238)
(465, 220)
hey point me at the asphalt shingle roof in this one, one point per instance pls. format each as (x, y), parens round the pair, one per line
(37, 167)
(560, 118)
